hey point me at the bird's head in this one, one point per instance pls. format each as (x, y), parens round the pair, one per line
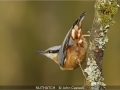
(51, 52)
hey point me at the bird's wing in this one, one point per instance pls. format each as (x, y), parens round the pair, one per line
(68, 41)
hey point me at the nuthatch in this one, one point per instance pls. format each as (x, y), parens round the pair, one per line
(72, 50)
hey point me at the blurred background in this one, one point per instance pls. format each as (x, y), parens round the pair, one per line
(29, 26)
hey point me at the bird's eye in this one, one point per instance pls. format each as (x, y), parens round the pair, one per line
(50, 51)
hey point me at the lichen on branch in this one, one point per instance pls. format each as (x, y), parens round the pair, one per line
(104, 17)
(106, 9)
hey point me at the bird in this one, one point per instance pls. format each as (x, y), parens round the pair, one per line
(72, 53)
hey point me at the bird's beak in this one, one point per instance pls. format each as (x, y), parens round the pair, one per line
(41, 52)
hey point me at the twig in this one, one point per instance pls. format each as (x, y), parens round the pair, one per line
(79, 63)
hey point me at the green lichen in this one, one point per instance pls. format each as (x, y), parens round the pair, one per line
(106, 11)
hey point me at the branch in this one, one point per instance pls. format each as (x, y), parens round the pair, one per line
(104, 17)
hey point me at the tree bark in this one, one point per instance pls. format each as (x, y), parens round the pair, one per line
(103, 18)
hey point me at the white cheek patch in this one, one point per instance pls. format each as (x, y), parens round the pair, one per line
(73, 33)
(76, 27)
(80, 41)
(79, 32)
(50, 55)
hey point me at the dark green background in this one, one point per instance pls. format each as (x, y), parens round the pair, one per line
(28, 26)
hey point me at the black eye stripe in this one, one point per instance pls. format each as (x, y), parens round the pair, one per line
(53, 51)
(50, 51)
